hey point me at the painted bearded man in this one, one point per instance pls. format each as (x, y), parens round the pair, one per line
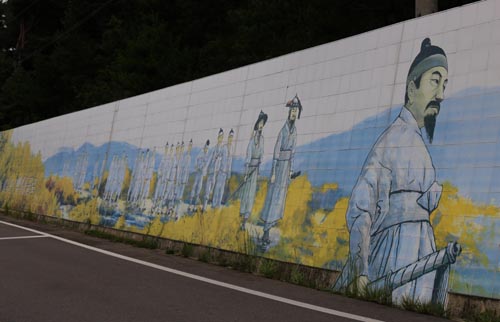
(390, 205)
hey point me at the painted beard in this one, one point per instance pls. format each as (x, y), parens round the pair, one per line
(430, 120)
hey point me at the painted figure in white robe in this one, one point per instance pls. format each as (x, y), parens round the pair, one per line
(390, 205)
(114, 182)
(255, 151)
(133, 191)
(172, 177)
(162, 178)
(183, 176)
(214, 167)
(81, 170)
(282, 170)
(122, 169)
(146, 179)
(200, 170)
(224, 173)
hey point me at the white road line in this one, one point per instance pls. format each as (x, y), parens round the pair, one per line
(23, 237)
(206, 280)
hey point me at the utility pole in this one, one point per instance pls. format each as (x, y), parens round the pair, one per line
(425, 7)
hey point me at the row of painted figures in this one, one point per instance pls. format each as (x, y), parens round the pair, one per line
(212, 169)
(392, 242)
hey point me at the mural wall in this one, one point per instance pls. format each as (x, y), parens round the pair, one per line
(377, 156)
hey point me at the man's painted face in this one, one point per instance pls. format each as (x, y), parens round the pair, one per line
(426, 99)
(260, 126)
(220, 138)
(294, 112)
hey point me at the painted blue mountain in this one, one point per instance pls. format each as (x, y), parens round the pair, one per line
(66, 158)
(465, 150)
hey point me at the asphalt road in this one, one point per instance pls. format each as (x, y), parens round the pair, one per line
(68, 276)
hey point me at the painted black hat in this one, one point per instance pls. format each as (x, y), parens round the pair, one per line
(429, 57)
(262, 117)
(295, 102)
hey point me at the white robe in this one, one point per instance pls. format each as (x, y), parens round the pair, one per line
(255, 151)
(284, 150)
(388, 214)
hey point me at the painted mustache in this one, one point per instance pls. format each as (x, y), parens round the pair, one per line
(434, 104)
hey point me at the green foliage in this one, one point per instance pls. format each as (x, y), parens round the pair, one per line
(244, 263)
(187, 250)
(296, 276)
(222, 260)
(269, 269)
(486, 316)
(205, 256)
(424, 308)
(381, 296)
(30, 216)
(146, 242)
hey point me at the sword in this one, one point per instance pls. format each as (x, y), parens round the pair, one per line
(231, 196)
(295, 174)
(441, 258)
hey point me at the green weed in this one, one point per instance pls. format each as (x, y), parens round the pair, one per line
(296, 276)
(205, 256)
(245, 263)
(150, 243)
(382, 296)
(268, 268)
(187, 250)
(424, 308)
(471, 314)
(222, 260)
(30, 216)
